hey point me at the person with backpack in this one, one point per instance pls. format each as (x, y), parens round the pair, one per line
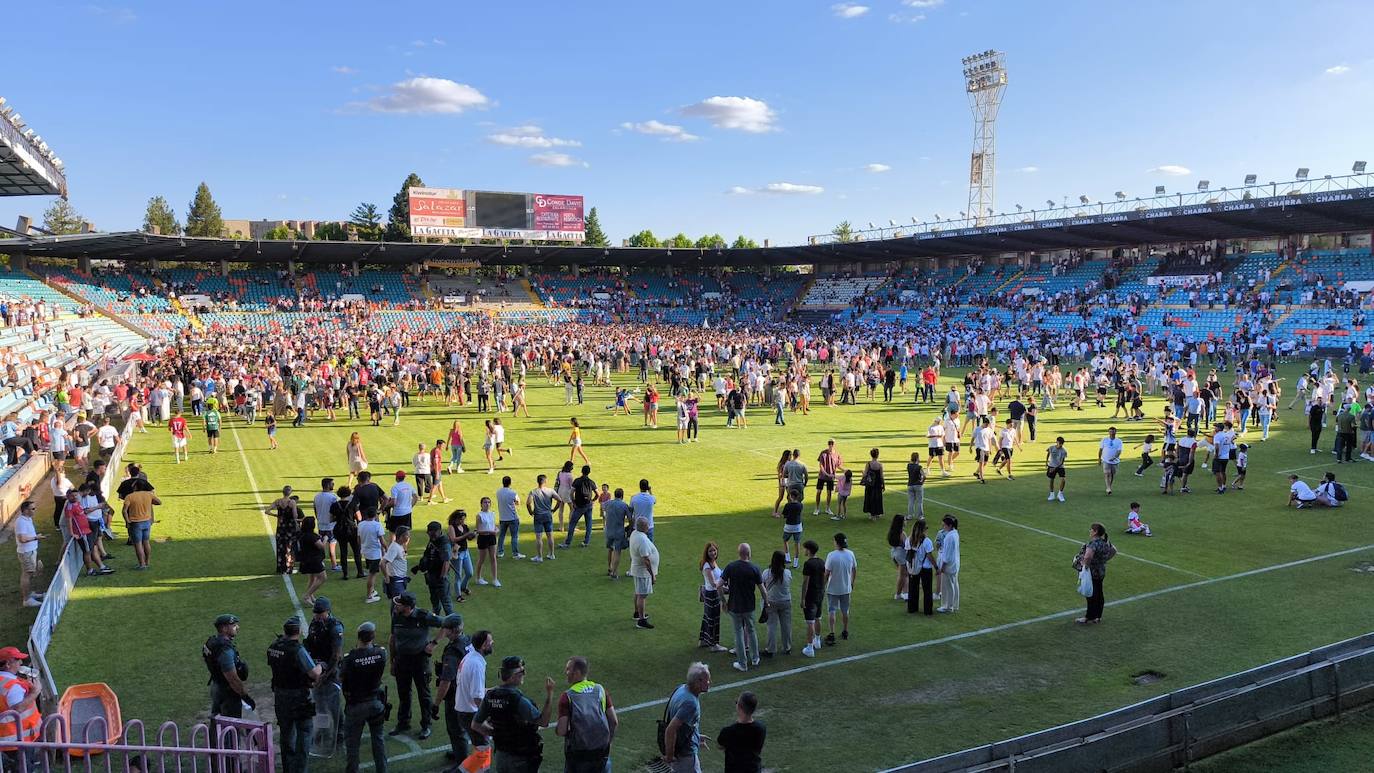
(1330, 493)
(1094, 556)
(586, 720)
(584, 495)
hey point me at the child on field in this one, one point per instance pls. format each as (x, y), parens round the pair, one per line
(1242, 461)
(1146, 448)
(1134, 524)
(271, 431)
(602, 499)
(842, 490)
(1170, 466)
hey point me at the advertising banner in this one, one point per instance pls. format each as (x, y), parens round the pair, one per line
(557, 213)
(444, 207)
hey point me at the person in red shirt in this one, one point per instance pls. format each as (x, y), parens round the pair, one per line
(80, 529)
(177, 426)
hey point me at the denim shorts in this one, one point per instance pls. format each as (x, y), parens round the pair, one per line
(543, 525)
(794, 536)
(139, 530)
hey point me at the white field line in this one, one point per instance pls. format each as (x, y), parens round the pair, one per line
(967, 634)
(1119, 552)
(267, 524)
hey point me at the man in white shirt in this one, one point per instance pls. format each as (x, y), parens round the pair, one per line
(420, 463)
(324, 517)
(370, 531)
(394, 565)
(402, 501)
(643, 568)
(841, 569)
(935, 442)
(1300, 493)
(472, 683)
(1006, 446)
(1224, 441)
(982, 445)
(26, 539)
(1109, 456)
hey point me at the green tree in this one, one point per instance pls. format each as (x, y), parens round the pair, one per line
(279, 234)
(398, 219)
(682, 240)
(367, 221)
(595, 237)
(203, 217)
(334, 232)
(742, 243)
(844, 232)
(161, 217)
(644, 238)
(714, 241)
(62, 218)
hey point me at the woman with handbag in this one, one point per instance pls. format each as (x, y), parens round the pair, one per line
(873, 484)
(777, 604)
(920, 570)
(1092, 558)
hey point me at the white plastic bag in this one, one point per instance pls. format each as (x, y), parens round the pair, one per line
(1085, 583)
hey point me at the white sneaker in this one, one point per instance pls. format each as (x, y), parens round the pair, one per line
(1061, 496)
(902, 596)
(552, 556)
(373, 599)
(460, 470)
(1050, 498)
(536, 560)
(809, 651)
(496, 583)
(481, 581)
(32, 602)
(817, 511)
(828, 511)
(519, 555)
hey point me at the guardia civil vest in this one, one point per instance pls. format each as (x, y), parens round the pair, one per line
(283, 657)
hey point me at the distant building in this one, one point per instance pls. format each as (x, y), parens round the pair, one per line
(258, 229)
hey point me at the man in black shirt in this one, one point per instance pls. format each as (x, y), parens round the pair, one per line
(813, 593)
(742, 577)
(742, 742)
(368, 495)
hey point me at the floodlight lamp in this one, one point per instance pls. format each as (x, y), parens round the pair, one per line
(1018, 207)
(1202, 185)
(963, 214)
(870, 224)
(1083, 199)
(1250, 179)
(1358, 168)
(1120, 195)
(892, 223)
(1302, 173)
(914, 221)
(1049, 203)
(1159, 190)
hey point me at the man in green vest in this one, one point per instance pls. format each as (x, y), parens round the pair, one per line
(586, 720)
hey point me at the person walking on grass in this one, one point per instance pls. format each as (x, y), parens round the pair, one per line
(741, 579)
(841, 570)
(782, 482)
(616, 521)
(873, 484)
(1055, 457)
(915, 488)
(176, 427)
(456, 447)
(1007, 441)
(212, 424)
(370, 533)
(356, 457)
(436, 474)
(711, 594)
(828, 466)
(460, 560)
(743, 741)
(583, 497)
(1109, 456)
(1094, 556)
(26, 540)
(643, 568)
(541, 503)
(982, 448)
(486, 544)
(434, 563)
(813, 593)
(948, 565)
(507, 504)
(682, 740)
(935, 444)
(575, 441)
(310, 555)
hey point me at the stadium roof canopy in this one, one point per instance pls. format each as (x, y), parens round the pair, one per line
(27, 166)
(1295, 213)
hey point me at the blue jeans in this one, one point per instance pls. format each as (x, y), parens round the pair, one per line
(514, 528)
(746, 637)
(456, 454)
(777, 415)
(578, 513)
(462, 571)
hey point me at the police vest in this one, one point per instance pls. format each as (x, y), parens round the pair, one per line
(362, 671)
(320, 640)
(284, 659)
(26, 729)
(510, 733)
(588, 729)
(214, 647)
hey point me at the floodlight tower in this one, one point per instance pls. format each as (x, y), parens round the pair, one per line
(985, 78)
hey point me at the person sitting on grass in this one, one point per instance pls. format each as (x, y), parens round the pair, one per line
(1133, 523)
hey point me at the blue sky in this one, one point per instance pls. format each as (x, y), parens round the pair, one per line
(764, 118)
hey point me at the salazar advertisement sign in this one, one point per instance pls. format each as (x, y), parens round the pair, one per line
(445, 207)
(557, 213)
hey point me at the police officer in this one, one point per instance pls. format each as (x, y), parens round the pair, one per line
(294, 673)
(228, 672)
(512, 721)
(360, 673)
(324, 642)
(411, 647)
(454, 651)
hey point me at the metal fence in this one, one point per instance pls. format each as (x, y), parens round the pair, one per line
(1172, 730)
(225, 746)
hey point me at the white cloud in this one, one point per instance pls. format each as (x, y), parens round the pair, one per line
(529, 136)
(556, 159)
(906, 18)
(439, 42)
(1340, 69)
(849, 10)
(877, 168)
(1029, 169)
(1172, 170)
(344, 69)
(784, 189)
(428, 95)
(418, 43)
(669, 132)
(743, 113)
(116, 15)
(922, 3)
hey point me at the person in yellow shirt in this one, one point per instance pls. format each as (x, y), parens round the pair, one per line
(138, 514)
